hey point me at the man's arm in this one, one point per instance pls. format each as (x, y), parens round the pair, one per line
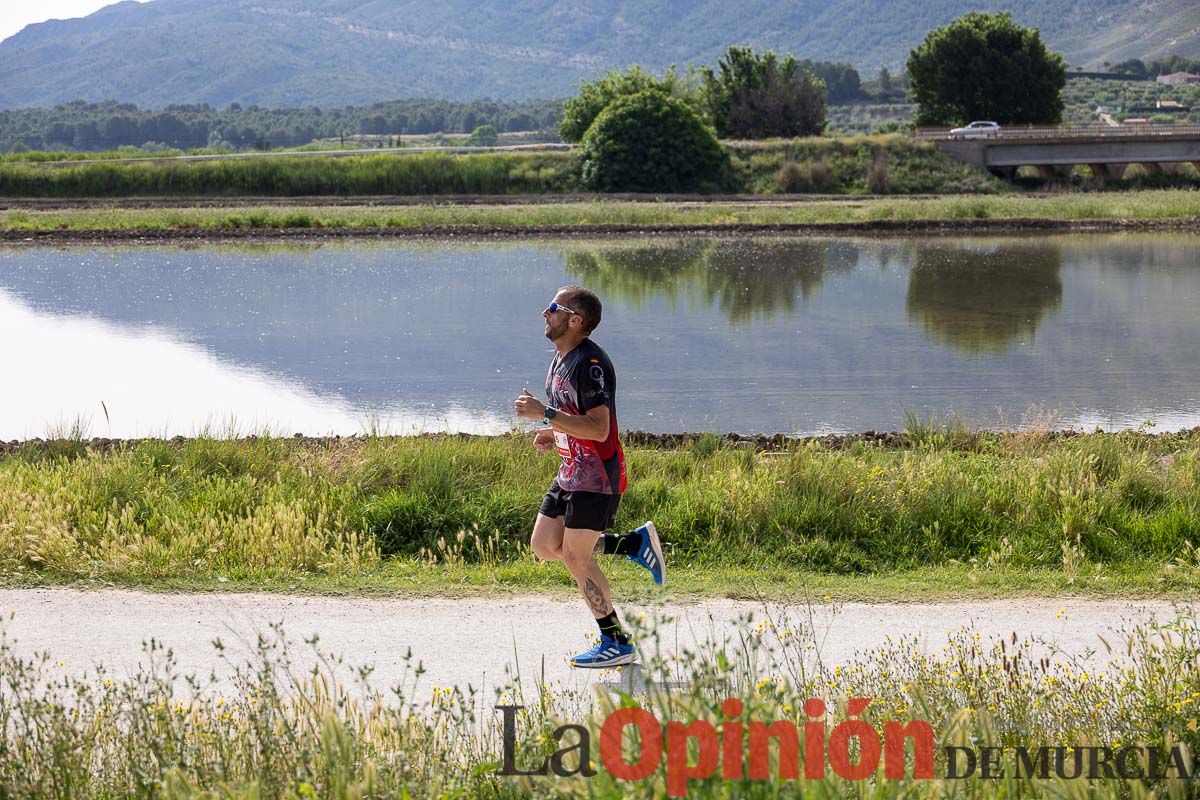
(593, 425)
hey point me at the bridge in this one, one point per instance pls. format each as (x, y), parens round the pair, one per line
(1053, 151)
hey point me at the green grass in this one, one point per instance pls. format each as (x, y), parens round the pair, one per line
(273, 732)
(954, 513)
(1141, 205)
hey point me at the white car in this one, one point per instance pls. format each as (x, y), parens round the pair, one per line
(980, 128)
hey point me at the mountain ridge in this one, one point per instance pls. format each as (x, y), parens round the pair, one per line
(343, 52)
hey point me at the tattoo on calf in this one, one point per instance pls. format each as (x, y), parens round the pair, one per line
(595, 598)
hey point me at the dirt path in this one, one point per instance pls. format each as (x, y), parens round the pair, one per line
(472, 641)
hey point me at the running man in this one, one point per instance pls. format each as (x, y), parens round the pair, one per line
(581, 386)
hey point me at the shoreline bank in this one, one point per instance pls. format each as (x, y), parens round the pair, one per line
(213, 219)
(760, 442)
(873, 228)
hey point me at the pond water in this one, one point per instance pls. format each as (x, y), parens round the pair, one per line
(793, 335)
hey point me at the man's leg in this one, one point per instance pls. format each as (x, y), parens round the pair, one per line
(641, 546)
(547, 539)
(578, 548)
(615, 648)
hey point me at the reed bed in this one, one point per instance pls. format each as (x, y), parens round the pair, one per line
(417, 173)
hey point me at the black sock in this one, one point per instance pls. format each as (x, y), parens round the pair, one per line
(623, 544)
(609, 626)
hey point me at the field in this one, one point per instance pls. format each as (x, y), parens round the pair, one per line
(842, 165)
(1083, 95)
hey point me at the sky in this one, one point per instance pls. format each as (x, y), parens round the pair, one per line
(18, 14)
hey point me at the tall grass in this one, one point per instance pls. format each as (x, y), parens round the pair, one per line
(415, 174)
(882, 164)
(850, 165)
(838, 165)
(268, 732)
(276, 507)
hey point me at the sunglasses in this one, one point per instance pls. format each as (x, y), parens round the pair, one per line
(556, 307)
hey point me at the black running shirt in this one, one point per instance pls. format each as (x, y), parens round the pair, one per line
(581, 380)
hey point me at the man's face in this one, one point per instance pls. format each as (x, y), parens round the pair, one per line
(558, 321)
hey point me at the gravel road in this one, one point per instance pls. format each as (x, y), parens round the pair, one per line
(463, 641)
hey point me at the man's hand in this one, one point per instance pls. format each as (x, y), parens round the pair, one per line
(543, 440)
(529, 407)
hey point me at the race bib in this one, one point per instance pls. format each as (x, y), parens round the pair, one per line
(560, 441)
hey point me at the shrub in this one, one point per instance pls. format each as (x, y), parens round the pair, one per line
(651, 142)
(878, 179)
(807, 176)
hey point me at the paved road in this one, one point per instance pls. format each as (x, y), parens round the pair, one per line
(471, 641)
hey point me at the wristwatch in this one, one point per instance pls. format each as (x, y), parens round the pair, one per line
(549, 415)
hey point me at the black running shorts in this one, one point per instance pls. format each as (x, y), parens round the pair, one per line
(589, 510)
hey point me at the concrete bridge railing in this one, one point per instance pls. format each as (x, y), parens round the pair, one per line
(1107, 150)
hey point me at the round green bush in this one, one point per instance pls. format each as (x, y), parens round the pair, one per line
(651, 142)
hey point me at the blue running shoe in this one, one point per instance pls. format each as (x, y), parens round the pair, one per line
(609, 653)
(650, 554)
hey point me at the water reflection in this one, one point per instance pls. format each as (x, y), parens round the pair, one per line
(979, 299)
(127, 382)
(750, 335)
(744, 278)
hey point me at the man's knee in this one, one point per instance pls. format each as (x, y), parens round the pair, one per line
(577, 553)
(547, 538)
(543, 549)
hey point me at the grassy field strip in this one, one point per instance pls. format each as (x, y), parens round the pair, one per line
(1146, 205)
(889, 164)
(954, 511)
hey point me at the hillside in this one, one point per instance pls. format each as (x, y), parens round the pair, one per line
(338, 52)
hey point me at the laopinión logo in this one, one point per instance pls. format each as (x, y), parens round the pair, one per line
(741, 750)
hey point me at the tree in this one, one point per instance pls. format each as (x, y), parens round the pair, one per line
(652, 142)
(1133, 66)
(842, 83)
(755, 97)
(985, 66)
(581, 111)
(483, 136)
